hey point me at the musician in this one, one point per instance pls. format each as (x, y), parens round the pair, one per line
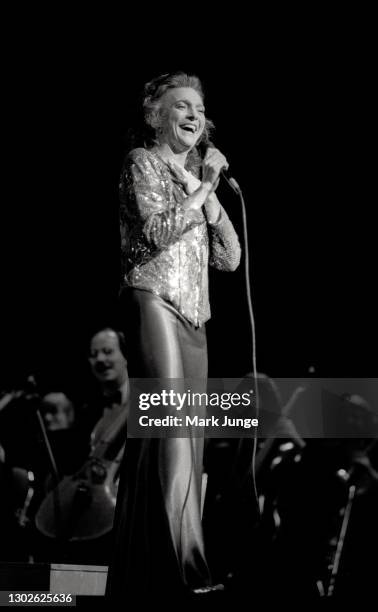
(18, 427)
(58, 411)
(19, 462)
(312, 504)
(100, 433)
(110, 401)
(231, 505)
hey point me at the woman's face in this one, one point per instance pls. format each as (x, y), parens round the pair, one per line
(182, 119)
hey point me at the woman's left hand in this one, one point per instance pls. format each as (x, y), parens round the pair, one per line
(187, 179)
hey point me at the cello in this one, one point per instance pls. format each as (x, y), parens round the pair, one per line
(81, 507)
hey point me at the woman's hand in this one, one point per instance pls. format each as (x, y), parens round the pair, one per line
(187, 179)
(202, 192)
(213, 163)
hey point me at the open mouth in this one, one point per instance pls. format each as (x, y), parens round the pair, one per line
(188, 127)
(101, 369)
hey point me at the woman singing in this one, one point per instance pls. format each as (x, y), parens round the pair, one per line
(172, 228)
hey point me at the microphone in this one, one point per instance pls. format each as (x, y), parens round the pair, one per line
(231, 181)
(225, 172)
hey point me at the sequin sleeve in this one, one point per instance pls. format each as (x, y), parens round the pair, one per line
(225, 249)
(154, 200)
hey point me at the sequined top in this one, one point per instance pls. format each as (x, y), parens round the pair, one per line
(165, 247)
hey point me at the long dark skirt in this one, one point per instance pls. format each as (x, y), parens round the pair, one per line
(158, 533)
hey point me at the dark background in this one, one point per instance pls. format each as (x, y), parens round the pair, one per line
(294, 121)
(293, 100)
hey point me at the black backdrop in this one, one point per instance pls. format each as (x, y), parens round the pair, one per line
(294, 124)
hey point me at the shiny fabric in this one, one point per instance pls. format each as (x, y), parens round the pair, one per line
(166, 247)
(159, 543)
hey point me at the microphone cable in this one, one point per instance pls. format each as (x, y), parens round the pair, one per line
(236, 188)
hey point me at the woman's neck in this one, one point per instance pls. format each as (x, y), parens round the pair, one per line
(165, 152)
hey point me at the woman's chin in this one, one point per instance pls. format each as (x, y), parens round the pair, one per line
(184, 145)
